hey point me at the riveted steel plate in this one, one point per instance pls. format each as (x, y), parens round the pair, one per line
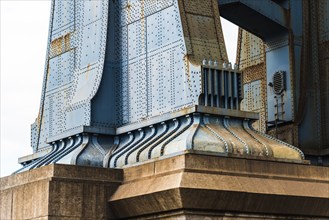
(279, 107)
(323, 7)
(64, 18)
(150, 51)
(251, 60)
(252, 50)
(75, 64)
(113, 63)
(34, 135)
(252, 97)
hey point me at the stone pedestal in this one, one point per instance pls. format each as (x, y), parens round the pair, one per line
(59, 192)
(201, 186)
(188, 186)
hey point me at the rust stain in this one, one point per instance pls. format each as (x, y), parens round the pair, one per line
(42, 121)
(128, 9)
(67, 41)
(48, 70)
(187, 61)
(56, 47)
(88, 71)
(39, 118)
(143, 21)
(251, 60)
(187, 69)
(142, 8)
(48, 74)
(198, 17)
(60, 45)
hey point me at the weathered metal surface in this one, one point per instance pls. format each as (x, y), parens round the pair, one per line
(279, 107)
(251, 60)
(76, 50)
(118, 73)
(147, 66)
(202, 30)
(251, 52)
(323, 20)
(323, 9)
(258, 75)
(301, 52)
(265, 18)
(198, 131)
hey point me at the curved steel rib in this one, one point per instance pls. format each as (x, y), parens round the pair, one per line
(33, 163)
(247, 128)
(85, 142)
(226, 126)
(44, 160)
(177, 134)
(176, 127)
(142, 135)
(165, 130)
(149, 138)
(277, 140)
(206, 122)
(65, 147)
(70, 148)
(108, 155)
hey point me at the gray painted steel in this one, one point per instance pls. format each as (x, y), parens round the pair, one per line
(112, 64)
(122, 78)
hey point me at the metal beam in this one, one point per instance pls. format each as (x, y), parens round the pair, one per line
(265, 19)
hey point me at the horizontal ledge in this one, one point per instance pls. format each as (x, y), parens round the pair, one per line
(155, 120)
